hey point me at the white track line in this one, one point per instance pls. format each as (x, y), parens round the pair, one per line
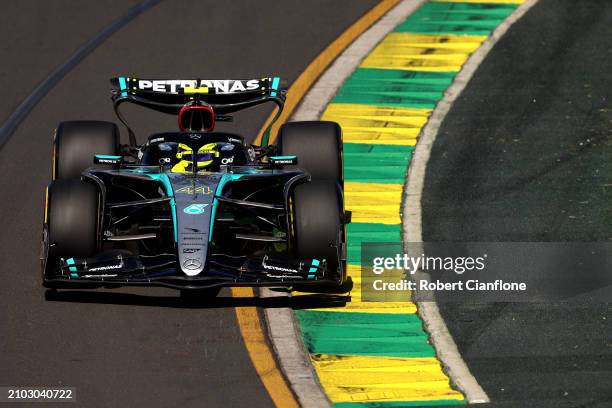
(283, 329)
(59, 72)
(326, 87)
(442, 340)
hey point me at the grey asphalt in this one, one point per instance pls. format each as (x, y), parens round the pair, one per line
(524, 155)
(133, 347)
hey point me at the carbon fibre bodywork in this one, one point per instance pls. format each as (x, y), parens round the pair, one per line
(195, 229)
(190, 209)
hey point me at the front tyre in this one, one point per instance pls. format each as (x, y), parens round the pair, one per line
(73, 218)
(318, 147)
(317, 209)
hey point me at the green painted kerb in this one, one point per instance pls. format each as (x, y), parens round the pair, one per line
(457, 18)
(394, 88)
(354, 333)
(364, 334)
(383, 164)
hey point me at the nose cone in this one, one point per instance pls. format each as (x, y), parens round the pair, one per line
(192, 264)
(193, 197)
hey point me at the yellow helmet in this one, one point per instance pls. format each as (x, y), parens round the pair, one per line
(204, 158)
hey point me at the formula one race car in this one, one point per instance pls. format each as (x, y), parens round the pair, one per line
(195, 209)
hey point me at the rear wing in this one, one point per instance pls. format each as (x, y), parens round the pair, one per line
(171, 95)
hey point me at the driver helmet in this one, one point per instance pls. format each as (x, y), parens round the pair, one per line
(204, 158)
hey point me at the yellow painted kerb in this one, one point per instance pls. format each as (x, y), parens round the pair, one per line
(248, 318)
(312, 72)
(379, 379)
(260, 353)
(423, 52)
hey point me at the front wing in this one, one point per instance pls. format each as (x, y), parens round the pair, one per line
(121, 268)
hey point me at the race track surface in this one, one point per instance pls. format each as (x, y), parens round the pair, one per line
(127, 348)
(524, 155)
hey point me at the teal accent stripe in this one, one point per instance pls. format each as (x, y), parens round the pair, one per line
(283, 157)
(106, 156)
(275, 84)
(123, 86)
(70, 261)
(315, 264)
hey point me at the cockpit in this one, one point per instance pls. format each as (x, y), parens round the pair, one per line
(192, 152)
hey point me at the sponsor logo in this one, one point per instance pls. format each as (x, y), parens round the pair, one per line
(165, 160)
(251, 153)
(272, 275)
(227, 160)
(197, 190)
(191, 264)
(104, 159)
(195, 136)
(191, 250)
(103, 275)
(192, 229)
(234, 140)
(195, 209)
(283, 159)
(105, 268)
(224, 86)
(156, 140)
(276, 268)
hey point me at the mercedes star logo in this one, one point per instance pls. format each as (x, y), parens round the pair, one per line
(191, 264)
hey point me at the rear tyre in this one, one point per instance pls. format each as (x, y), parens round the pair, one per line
(318, 147)
(73, 218)
(317, 221)
(76, 143)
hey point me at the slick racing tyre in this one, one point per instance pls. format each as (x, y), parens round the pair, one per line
(318, 147)
(73, 218)
(317, 222)
(76, 143)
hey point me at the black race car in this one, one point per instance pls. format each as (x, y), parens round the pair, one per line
(195, 209)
